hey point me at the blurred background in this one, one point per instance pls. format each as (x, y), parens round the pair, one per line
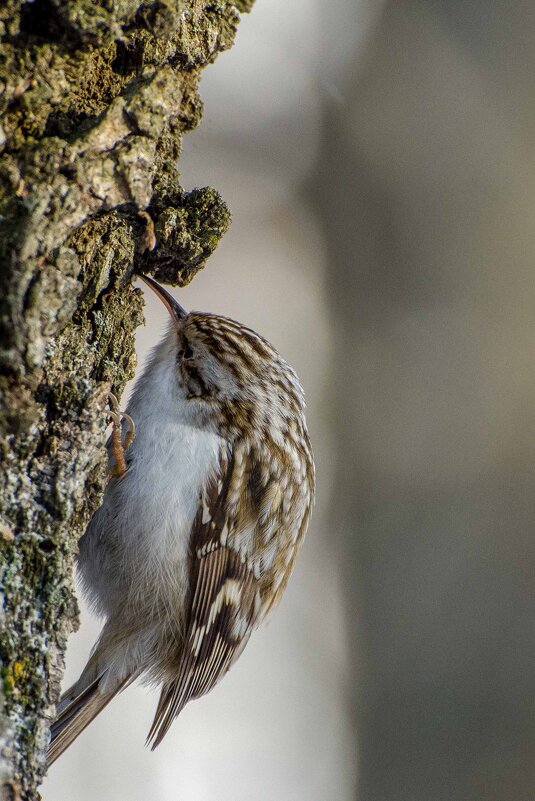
(379, 160)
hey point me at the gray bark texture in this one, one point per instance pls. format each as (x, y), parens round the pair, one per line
(94, 100)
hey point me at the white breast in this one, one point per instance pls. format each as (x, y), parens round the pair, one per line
(136, 548)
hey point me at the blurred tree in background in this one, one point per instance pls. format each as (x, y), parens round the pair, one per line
(427, 193)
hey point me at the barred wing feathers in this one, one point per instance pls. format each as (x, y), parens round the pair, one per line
(224, 607)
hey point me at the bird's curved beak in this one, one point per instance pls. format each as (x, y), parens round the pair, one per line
(173, 307)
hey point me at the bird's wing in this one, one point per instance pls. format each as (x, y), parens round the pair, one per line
(225, 594)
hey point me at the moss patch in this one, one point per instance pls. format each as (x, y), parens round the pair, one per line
(187, 232)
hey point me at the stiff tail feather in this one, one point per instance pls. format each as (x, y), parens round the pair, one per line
(76, 710)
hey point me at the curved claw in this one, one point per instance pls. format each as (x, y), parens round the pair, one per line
(116, 418)
(114, 403)
(131, 433)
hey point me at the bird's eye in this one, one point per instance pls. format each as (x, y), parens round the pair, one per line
(187, 353)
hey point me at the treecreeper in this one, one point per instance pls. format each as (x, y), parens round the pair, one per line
(202, 518)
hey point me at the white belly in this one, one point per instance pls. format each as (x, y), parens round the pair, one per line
(134, 555)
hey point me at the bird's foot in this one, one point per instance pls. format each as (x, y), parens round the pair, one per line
(118, 447)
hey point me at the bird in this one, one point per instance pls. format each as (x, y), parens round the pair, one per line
(202, 518)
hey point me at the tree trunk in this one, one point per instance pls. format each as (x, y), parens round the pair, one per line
(94, 100)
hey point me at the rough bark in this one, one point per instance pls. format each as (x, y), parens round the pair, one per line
(94, 100)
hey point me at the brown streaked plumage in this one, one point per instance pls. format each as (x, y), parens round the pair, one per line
(194, 544)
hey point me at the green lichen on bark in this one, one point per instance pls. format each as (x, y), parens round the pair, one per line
(94, 101)
(187, 231)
